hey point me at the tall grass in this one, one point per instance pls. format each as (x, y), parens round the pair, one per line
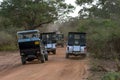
(7, 41)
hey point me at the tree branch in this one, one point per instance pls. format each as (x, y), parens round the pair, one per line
(46, 22)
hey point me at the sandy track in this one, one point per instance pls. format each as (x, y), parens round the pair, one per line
(57, 68)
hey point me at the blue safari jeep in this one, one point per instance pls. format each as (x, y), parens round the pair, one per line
(30, 46)
(76, 44)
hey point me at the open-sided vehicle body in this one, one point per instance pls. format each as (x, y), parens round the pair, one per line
(60, 40)
(49, 40)
(76, 44)
(30, 46)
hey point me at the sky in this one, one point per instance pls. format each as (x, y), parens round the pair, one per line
(77, 8)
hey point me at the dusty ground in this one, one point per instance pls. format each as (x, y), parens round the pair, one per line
(57, 68)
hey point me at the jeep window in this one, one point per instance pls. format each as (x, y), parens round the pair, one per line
(76, 36)
(82, 36)
(70, 40)
(28, 35)
(53, 36)
(76, 39)
(59, 36)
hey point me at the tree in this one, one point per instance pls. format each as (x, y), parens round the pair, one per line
(31, 14)
(108, 9)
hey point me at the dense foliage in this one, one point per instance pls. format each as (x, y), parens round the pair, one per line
(31, 14)
(100, 8)
(102, 37)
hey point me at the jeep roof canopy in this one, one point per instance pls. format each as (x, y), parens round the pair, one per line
(77, 38)
(28, 34)
(28, 31)
(59, 36)
(48, 35)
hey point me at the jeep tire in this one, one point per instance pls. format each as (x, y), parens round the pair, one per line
(46, 57)
(54, 52)
(62, 45)
(23, 60)
(42, 58)
(67, 55)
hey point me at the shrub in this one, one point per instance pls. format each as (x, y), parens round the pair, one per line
(111, 76)
(102, 37)
(7, 41)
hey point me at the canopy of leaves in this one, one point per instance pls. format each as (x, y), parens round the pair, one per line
(109, 9)
(31, 14)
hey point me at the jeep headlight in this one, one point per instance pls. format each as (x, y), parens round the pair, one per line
(37, 42)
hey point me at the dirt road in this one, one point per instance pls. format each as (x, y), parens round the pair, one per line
(57, 68)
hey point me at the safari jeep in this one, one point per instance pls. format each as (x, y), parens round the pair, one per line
(76, 44)
(31, 46)
(49, 40)
(60, 40)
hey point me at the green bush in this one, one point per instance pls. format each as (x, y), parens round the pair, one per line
(7, 41)
(111, 76)
(102, 37)
(11, 47)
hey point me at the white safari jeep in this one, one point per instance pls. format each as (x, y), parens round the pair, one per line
(49, 40)
(76, 44)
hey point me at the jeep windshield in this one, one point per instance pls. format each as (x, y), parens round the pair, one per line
(60, 36)
(76, 39)
(48, 38)
(27, 35)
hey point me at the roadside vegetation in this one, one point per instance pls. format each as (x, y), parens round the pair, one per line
(102, 37)
(101, 23)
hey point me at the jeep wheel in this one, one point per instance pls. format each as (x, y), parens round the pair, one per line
(23, 59)
(67, 55)
(46, 57)
(62, 45)
(42, 58)
(54, 52)
(48, 52)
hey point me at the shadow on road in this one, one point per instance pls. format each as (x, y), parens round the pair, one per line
(77, 57)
